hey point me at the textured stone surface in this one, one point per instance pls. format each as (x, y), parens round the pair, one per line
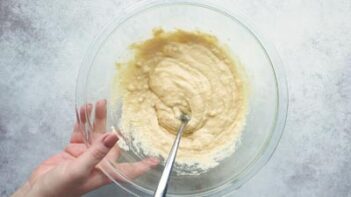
(42, 43)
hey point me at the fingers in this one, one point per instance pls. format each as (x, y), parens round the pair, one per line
(84, 112)
(113, 154)
(76, 136)
(100, 116)
(96, 152)
(99, 125)
(133, 170)
(96, 180)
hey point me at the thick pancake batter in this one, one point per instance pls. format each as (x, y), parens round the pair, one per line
(183, 72)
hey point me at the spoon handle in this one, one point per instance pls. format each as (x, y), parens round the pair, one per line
(162, 185)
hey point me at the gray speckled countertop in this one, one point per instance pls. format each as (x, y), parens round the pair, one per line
(42, 43)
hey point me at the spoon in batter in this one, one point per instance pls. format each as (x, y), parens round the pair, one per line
(162, 185)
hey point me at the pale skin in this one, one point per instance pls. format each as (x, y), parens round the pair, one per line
(75, 171)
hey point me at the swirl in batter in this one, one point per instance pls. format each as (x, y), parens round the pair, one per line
(183, 72)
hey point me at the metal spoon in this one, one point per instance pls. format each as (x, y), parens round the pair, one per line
(162, 185)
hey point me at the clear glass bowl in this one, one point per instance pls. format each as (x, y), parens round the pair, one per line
(268, 96)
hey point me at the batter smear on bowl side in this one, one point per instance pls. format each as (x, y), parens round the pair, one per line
(183, 72)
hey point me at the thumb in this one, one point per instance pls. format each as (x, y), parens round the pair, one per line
(97, 151)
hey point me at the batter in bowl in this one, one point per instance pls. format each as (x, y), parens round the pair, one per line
(183, 72)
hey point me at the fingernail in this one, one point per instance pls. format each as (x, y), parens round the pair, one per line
(110, 140)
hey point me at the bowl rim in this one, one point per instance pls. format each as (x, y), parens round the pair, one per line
(272, 141)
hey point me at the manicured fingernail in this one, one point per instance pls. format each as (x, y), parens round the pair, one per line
(110, 140)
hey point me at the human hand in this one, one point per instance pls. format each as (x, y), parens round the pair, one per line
(75, 170)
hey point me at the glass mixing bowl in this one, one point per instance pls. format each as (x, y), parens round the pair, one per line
(268, 98)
